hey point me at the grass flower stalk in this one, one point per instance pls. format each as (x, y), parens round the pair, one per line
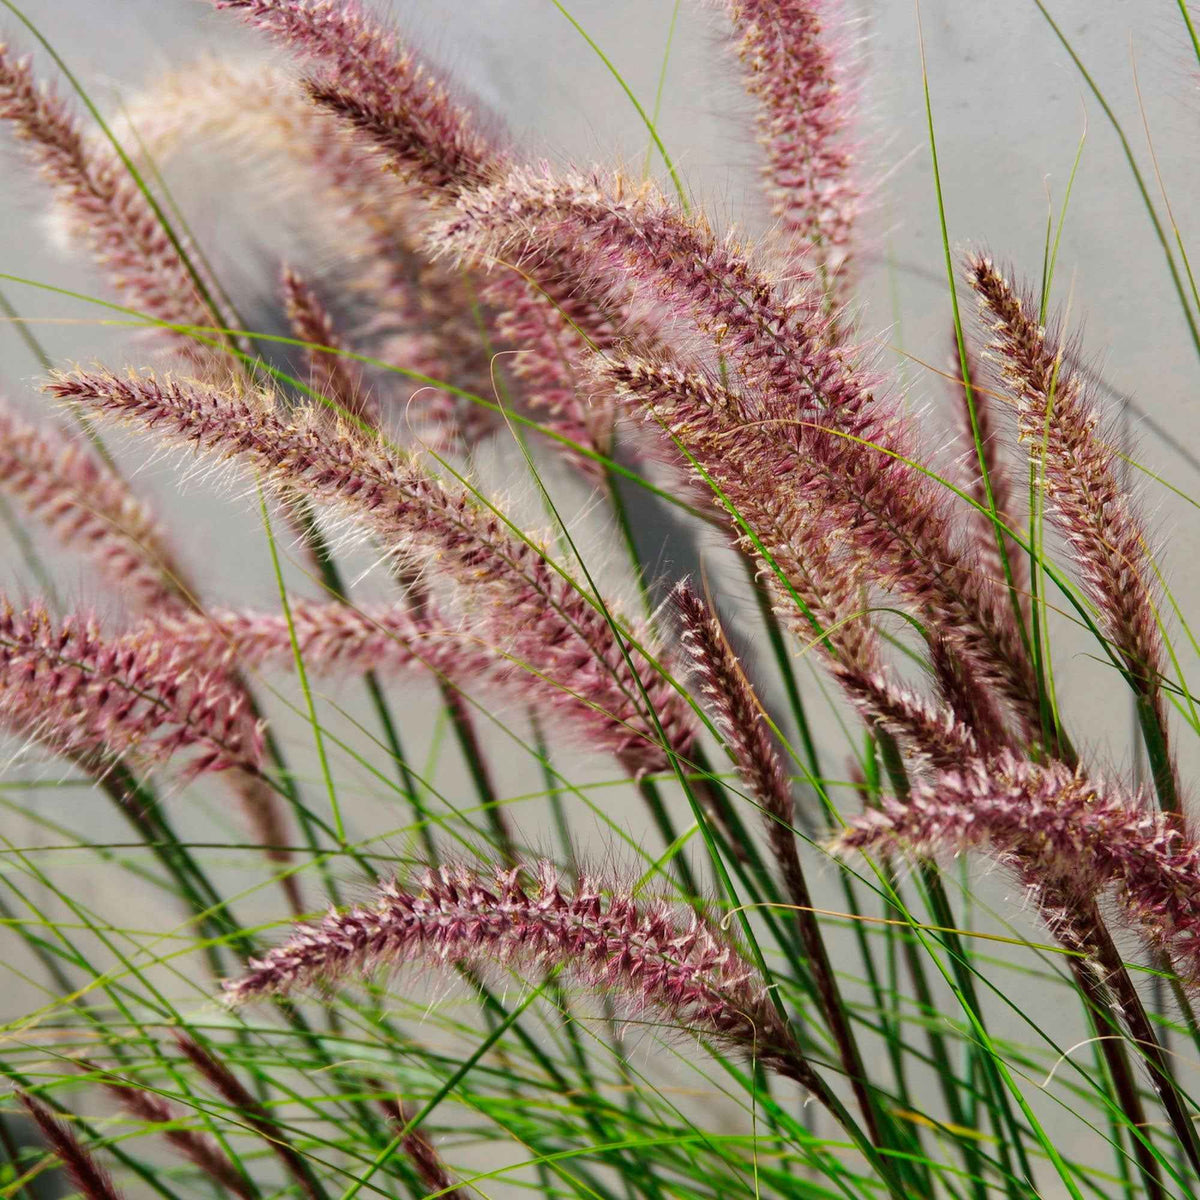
(740, 716)
(797, 65)
(1087, 501)
(93, 1182)
(571, 640)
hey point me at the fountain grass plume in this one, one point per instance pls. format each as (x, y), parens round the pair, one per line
(405, 309)
(338, 640)
(92, 1180)
(1060, 428)
(794, 380)
(330, 374)
(819, 588)
(104, 205)
(741, 718)
(999, 469)
(366, 78)
(1070, 838)
(61, 481)
(99, 699)
(538, 614)
(646, 954)
(796, 63)
(198, 1148)
(421, 1151)
(250, 1111)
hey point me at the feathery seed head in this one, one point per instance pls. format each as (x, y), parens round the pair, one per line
(380, 89)
(523, 918)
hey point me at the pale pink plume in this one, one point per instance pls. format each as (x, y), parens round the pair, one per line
(653, 957)
(421, 1150)
(405, 309)
(999, 469)
(94, 699)
(1060, 428)
(339, 640)
(402, 108)
(62, 482)
(331, 374)
(250, 1112)
(1069, 840)
(106, 208)
(379, 88)
(794, 58)
(795, 381)
(741, 718)
(534, 612)
(817, 587)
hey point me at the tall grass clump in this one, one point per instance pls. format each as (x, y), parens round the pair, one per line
(487, 852)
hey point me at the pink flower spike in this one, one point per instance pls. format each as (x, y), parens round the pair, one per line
(422, 1152)
(643, 953)
(365, 78)
(60, 481)
(1068, 839)
(538, 614)
(792, 379)
(818, 588)
(105, 207)
(198, 1148)
(1060, 428)
(94, 700)
(794, 61)
(332, 375)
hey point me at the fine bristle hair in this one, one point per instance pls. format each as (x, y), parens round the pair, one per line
(93, 1182)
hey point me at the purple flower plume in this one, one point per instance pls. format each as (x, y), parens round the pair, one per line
(983, 532)
(845, 447)
(59, 480)
(403, 109)
(1067, 838)
(336, 639)
(63, 684)
(408, 311)
(539, 615)
(424, 1155)
(93, 1182)
(817, 586)
(330, 373)
(681, 968)
(198, 1148)
(1086, 501)
(104, 204)
(794, 63)
(740, 717)
(250, 1111)
(332, 638)
(368, 80)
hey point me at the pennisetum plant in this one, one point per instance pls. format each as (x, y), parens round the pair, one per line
(677, 956)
